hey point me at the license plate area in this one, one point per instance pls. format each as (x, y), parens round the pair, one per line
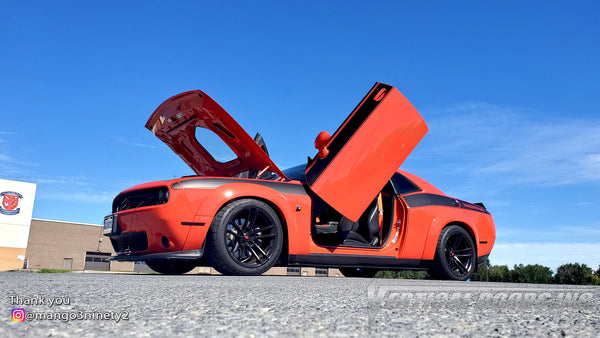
(110, 225)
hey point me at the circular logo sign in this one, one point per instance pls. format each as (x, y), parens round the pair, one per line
(10, 202)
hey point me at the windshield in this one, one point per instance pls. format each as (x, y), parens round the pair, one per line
(296, 173)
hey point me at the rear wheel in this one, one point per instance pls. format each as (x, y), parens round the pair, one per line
(455, 255)
(358, 272)
(171, 266)
(245, 238)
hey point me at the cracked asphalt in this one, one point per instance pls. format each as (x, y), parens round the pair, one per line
(105, 304)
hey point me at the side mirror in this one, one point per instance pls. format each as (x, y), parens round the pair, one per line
(320, 143)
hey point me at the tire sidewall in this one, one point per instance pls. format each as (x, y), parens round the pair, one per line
(441, 263)
(219, 255)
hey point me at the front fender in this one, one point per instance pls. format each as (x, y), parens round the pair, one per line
(295, 210)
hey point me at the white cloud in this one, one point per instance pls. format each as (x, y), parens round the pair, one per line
(78, 189)
(5, 158)
(6, 133)
(74, 189)
(562, 153)
(123, 140)
(61, 180)
(551, 255)
(87, 197)
(513, 145)
(11, 167)
(550, 234)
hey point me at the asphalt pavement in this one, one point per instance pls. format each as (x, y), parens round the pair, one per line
(89, 304)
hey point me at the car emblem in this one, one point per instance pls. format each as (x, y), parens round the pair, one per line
(10, 202)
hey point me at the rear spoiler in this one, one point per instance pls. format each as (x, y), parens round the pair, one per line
(481, 205)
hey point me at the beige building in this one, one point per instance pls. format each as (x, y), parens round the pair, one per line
(11, 258)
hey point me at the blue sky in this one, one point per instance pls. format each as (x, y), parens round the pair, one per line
(509, 91)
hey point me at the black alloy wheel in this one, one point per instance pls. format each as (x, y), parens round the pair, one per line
(455, 257)
(245, 238)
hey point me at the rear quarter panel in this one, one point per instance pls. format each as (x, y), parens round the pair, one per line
(426, 223)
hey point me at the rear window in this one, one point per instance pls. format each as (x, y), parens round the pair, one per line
(403, 185)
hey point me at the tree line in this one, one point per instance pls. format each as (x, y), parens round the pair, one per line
(571, 273)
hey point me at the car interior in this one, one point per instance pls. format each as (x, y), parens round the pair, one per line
(372, 230)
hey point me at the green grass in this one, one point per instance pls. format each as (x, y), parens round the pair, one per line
(53, 271)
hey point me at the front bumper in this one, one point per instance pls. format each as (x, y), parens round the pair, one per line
(173, 255)
(165, 228)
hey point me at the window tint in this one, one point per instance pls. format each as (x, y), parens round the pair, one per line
(403, 185)
(296, 173)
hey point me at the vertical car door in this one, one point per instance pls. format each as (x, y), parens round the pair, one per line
(366, 151)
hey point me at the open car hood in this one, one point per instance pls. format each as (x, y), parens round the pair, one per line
(175, 121)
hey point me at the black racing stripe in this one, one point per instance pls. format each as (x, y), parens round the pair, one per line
(421, 200)
(354, 121)
(286, 188)
(474, 207)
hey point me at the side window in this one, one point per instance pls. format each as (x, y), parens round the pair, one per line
(403, 185)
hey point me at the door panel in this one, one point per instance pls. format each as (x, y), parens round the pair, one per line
(366, 151)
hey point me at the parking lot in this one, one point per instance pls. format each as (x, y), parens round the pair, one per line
(76, 304)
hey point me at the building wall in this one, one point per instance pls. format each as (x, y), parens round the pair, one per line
(9, 258)
(51, 244)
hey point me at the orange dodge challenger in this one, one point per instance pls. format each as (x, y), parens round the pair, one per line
(349, 207)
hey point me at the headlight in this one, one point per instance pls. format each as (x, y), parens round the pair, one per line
(141, 198)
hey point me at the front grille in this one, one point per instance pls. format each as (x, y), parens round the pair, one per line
(141, 198)
(133, 241)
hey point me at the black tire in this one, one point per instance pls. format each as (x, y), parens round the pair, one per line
(245, 238)
(171, 266)
(455, 255)
(358, 272)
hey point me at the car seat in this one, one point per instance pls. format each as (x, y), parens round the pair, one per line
(365, 232)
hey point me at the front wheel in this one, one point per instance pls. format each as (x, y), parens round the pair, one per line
(245, 238)
(455, 254)
(171, 266)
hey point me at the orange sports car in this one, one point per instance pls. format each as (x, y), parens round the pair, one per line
(349, 207)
